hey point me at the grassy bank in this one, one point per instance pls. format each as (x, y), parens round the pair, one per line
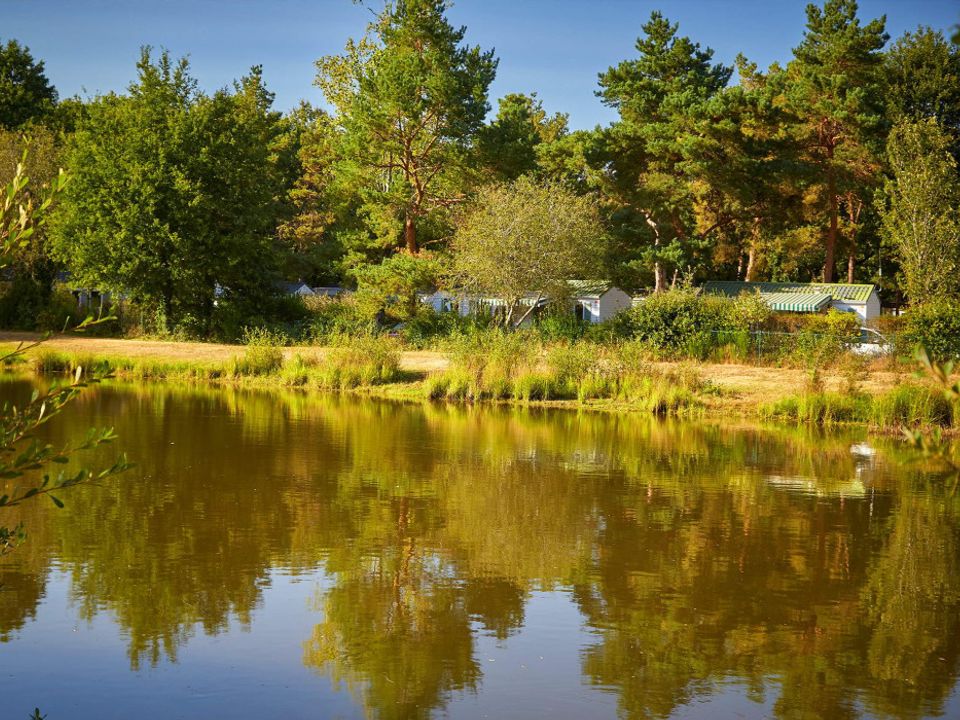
(510, 369)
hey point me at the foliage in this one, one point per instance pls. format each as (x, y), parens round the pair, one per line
(35, 270)
(526, 238)
(921, 216)
(22, 456)
(409, 97)
(509, 145)
(358, 361)
(262, 355)
(162, 204)
(832, 89)
(25, 92)
(678, 322)
(659, 97)
(936, 326)
(514, 366)
(922, 80)
(390, 289)
(333, 317)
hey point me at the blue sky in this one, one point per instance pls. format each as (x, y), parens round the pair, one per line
(554, 47)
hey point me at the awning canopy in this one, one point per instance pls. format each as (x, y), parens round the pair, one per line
(796, 301)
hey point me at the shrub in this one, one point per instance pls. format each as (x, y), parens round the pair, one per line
(329, 318)
(427, 325)
(262, 355)
(936, 326)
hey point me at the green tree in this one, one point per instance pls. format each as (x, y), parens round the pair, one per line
(508, 145)
(175, 194)
(527, 238)
(832, 86)
(392, 285)
(25, 92)
(921, 214)
(659, 95)
(409, 98)
(922, 79)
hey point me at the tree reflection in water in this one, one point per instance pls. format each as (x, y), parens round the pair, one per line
(699, 554)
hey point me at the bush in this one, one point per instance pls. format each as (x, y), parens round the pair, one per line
(262, 355)
(329, 318)
(936, 326)
(671, 323)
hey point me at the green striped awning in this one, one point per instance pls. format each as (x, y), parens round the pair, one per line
(796, 302)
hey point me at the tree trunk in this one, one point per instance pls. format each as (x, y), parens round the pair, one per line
(659, 278)
(751, 262)
(850, 262)
(830, 260)
(410, 234)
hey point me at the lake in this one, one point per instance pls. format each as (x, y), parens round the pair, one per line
(282, 555)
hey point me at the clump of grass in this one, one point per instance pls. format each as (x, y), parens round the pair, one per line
(515, 367)
(358, 362)
(912, 405)
(296, 371)
(262, 355)
(819, 408)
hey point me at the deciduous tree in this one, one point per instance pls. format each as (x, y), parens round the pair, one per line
(25, 91)
(526, 239)
(921, 215)
(175, 193)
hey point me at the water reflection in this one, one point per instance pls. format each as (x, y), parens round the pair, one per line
(806, 567)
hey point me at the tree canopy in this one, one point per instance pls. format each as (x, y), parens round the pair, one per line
(175, 193)
(524, 238)
(409, 97)
(25, 92)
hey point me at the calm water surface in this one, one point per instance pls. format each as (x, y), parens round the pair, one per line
(286, 556)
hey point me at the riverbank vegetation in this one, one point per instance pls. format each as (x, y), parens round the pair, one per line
(496, 366)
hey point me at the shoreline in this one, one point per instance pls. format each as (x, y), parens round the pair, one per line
(732, 390)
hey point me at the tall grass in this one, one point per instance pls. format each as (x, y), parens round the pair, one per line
(905, 406)
(514, 366)
(358, 361)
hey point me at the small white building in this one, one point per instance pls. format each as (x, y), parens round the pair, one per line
(295, 288)
(593, 302)
(861, 299)
(596, 302)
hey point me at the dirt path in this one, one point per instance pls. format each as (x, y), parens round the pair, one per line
(744, 385)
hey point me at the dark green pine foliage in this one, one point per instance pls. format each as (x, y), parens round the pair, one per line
(660, 97)
(508, 146)
(409, 99)
(833, 89)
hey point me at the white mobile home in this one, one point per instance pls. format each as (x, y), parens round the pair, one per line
(807, 297)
